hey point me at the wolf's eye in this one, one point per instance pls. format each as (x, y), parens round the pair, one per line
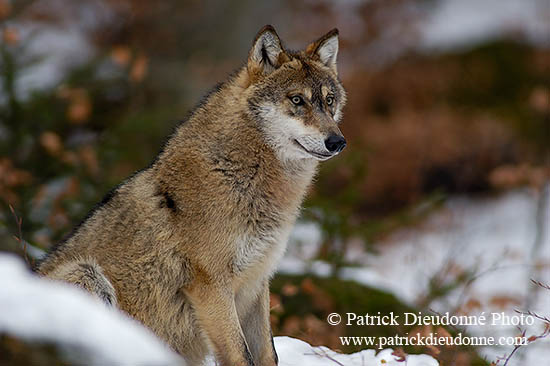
(297, 100)
(330, 100)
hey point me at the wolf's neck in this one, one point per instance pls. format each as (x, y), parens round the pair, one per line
(222, 141)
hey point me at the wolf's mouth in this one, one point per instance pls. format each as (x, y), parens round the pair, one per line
(313, 153)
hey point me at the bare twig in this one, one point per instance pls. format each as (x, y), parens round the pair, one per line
(530, 340)
(322, 353)
(494, 268)
(507, 359)
(533, 338)
(19, 236)
(540, 284)
(534, 315)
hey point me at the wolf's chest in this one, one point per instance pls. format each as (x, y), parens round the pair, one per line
(258, 254)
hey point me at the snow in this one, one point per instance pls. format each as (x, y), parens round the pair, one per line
(35, 308)
(60, 49)
(295, 352)
(456, 23)
(493, 238)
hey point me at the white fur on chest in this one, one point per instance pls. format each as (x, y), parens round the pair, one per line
(257, 255)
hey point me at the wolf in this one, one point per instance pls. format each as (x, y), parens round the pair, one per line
(188, 245)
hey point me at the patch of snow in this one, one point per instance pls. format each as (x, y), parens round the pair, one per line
(59, 46)
(297, 352)
(60, 49)
(455, 23)
(38, 309)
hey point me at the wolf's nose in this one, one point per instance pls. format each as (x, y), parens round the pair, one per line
(335, 143)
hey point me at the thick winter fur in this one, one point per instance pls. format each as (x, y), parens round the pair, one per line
(188, 245)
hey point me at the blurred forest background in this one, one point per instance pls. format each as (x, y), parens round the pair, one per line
(445, 98)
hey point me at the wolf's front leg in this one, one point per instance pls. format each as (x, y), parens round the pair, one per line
(214, 308)
(257, 329)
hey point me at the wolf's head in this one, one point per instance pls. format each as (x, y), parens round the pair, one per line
(296, 96)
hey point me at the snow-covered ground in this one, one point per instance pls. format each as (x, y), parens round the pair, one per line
(90, 333)
(493, 239)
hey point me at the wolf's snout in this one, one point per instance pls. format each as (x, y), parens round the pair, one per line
(335, 143)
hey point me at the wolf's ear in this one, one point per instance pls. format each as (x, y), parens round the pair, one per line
(325, 49)
(267, 52)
